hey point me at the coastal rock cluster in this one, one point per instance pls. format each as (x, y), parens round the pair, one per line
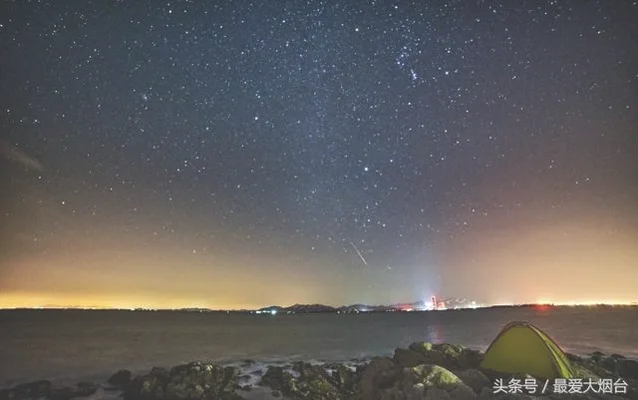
(423, 371)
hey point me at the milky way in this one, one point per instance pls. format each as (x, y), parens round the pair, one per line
(253, 152)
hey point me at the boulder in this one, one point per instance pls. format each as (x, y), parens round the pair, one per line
(416, 392)
(389, 394)
(345, 379)
(596, 356)
(475, 379)
(611, 364)
(629, 369)
(462, 392)
(147, 387)
(381, 373)
(450, 350)
(586, 369)
(447, 355)
(408, 358)
(432, 376)
(193, 381)
(121, 378)
(437, 394)
(420, 347)
(200, 381)
(82, 389)
(277, 379)
(486, 394)
(573, 357)
(469, 358)
(313, 382)
(159, 372)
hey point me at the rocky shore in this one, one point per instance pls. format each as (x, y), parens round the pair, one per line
(423, 371)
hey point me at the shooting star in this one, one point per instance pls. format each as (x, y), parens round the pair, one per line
(360, 256)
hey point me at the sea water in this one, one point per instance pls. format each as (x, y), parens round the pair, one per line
(71, 346)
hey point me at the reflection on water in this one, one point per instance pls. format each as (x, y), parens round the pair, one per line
(435, 332)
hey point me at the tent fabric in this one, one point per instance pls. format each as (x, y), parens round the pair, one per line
(522, 348)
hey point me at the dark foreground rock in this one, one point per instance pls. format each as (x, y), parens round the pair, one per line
(194, 381)
(121, 378)
(82, 389)
(423, 371)
(312, 382)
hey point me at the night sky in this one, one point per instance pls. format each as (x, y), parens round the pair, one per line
(241, 154)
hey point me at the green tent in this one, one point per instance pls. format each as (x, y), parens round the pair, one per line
(521, 348)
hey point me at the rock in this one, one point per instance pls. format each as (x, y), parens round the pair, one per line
(192, 381)
(82, 389)
(462, 392)
(447, 355)
(247, 362)
(433, 376)
(469, 358)
(246, 388)
(159, 372)
(276, 393)
(632, 388)
(486, 394)
(121, 378)
(436, 394)
(475, 379)
(629, 369)
(573, 357)
(450, 350)
(344, 378)
(416, 392)
(407, 358)
(611, 364)
(314, 382)
(199, 381)
(276, 378)
(148, 387)
(581, 369)
(420, 347)
(390, 394)
(381, 373)
(31, 390)
(596, 356)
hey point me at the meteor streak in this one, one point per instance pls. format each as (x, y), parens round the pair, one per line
(360, 256)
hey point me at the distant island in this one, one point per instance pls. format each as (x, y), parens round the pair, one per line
(419, 306)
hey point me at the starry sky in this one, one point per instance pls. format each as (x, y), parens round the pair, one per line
(241, 154)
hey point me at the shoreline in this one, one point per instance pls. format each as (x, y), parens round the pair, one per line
(379, 377)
